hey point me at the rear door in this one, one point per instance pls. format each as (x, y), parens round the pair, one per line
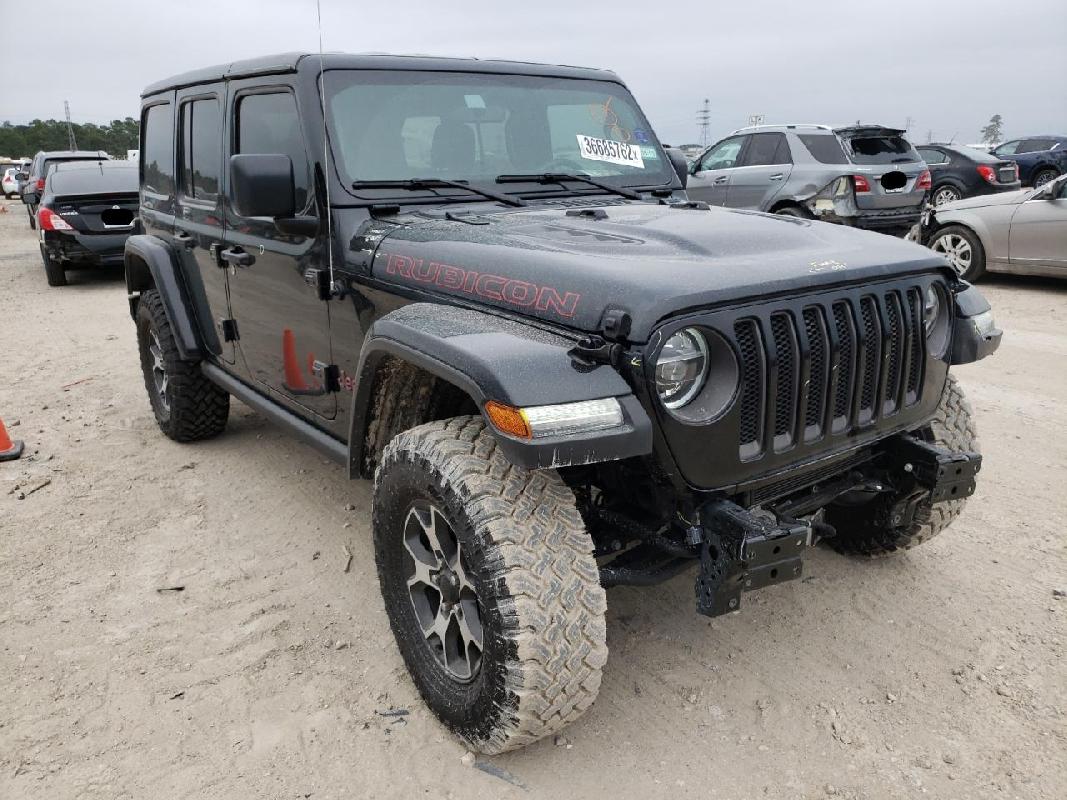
(890, 164)
(283, 328)
(199, 225)
(761, 173)
(710, 179)
(1038, 235)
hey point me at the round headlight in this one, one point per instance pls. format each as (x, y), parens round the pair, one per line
(931, 308)
(681, 368)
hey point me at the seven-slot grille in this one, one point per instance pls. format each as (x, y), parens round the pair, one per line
(828, 368)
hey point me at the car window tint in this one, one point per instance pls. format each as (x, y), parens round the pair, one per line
(201, 162)
(931, 156)
(1035, 145)
(824, 147)
(157, 154)
(270, 124)
(765, 149)
(723, 155)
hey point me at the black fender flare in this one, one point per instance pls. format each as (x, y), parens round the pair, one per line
(493, 358)
(150, 264)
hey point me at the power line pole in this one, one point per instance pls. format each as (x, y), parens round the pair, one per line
(71, 143)
(704, 120)
(907, 124)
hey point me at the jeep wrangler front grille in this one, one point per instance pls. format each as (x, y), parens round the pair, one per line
(835, 366)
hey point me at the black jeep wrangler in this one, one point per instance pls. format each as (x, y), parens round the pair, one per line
(482, 285)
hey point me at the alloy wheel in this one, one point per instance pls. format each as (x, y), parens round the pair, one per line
(159, 371)
(442, 594)
(956, 249)
(946, 194)
(1043, 177)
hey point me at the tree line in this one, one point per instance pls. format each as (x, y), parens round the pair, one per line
(116, 137)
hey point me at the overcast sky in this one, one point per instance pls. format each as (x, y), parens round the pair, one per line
(948, 65)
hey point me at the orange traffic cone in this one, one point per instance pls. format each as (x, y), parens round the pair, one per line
(294, 380)
(9, 450)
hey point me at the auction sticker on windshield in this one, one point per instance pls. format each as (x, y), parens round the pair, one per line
(613, 152)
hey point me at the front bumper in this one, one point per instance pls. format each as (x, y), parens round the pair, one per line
(742, 551)
(73, 247)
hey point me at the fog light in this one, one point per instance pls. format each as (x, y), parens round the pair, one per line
(539, 422)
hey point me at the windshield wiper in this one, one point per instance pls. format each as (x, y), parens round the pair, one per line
(438, 183)
(560, 177)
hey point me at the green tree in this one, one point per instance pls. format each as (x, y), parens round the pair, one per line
(115, 138)
(994, 131)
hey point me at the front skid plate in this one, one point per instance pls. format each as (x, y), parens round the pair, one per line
(742, 551)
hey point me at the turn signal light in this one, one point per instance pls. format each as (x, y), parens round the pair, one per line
(508, 419)
(49, 220)
(925, 181)
(987, 172)
(861, 184)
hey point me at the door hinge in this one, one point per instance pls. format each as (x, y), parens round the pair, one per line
(229, 330)
(329, 374)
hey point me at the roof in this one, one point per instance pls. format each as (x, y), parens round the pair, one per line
(291, 62)
(73, 154)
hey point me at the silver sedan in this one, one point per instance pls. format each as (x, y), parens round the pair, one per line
(1024, 232)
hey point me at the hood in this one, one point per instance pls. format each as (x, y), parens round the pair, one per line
(981, 201)
(652, 261)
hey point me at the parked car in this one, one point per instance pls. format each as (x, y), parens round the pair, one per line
(44, 161)
(867, 176)
(958, 171)
(496, 300)
(1040, 158)
(1023, 232)
(87, 211)
(9, 182)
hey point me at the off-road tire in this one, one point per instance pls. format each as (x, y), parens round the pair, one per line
(196, 408)
(866, 530)
(531, 561)
(53, 270)
(1046, 174)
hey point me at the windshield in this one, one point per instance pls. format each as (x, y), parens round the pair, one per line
(881, 149)
(387, 126)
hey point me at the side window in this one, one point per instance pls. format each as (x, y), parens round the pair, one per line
(723, 155)
(269, 123)
(765, 149)
(1007, 149)
(157, 152)
(1034, 145)
(931, 156)
(824, 147)
(201, 150)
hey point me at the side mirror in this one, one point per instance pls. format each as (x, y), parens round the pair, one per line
(681, 166)
(22, 176)
(263, 185)
(30, 198)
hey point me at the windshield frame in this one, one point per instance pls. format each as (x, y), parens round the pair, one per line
(533, 189)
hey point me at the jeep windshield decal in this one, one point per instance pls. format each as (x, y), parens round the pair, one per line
(388, 127)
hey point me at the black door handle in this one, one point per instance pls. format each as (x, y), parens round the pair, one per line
(721, 180)
(237, 257)
(184, 239)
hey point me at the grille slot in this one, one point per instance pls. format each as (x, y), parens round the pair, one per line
(826, 369)
(752, 386)
(819, 380)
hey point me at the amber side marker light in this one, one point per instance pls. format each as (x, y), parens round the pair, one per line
(508, 419)
(539, 422)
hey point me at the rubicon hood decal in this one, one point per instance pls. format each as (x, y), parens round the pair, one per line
(487, 286)
(653, 260)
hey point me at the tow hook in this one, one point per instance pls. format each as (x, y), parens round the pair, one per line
(742, 552)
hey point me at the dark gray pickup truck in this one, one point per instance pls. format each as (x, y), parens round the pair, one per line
(482, 285)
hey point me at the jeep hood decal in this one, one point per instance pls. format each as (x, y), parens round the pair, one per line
(650, 260)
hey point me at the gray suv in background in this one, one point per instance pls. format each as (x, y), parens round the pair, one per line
(867, 176)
